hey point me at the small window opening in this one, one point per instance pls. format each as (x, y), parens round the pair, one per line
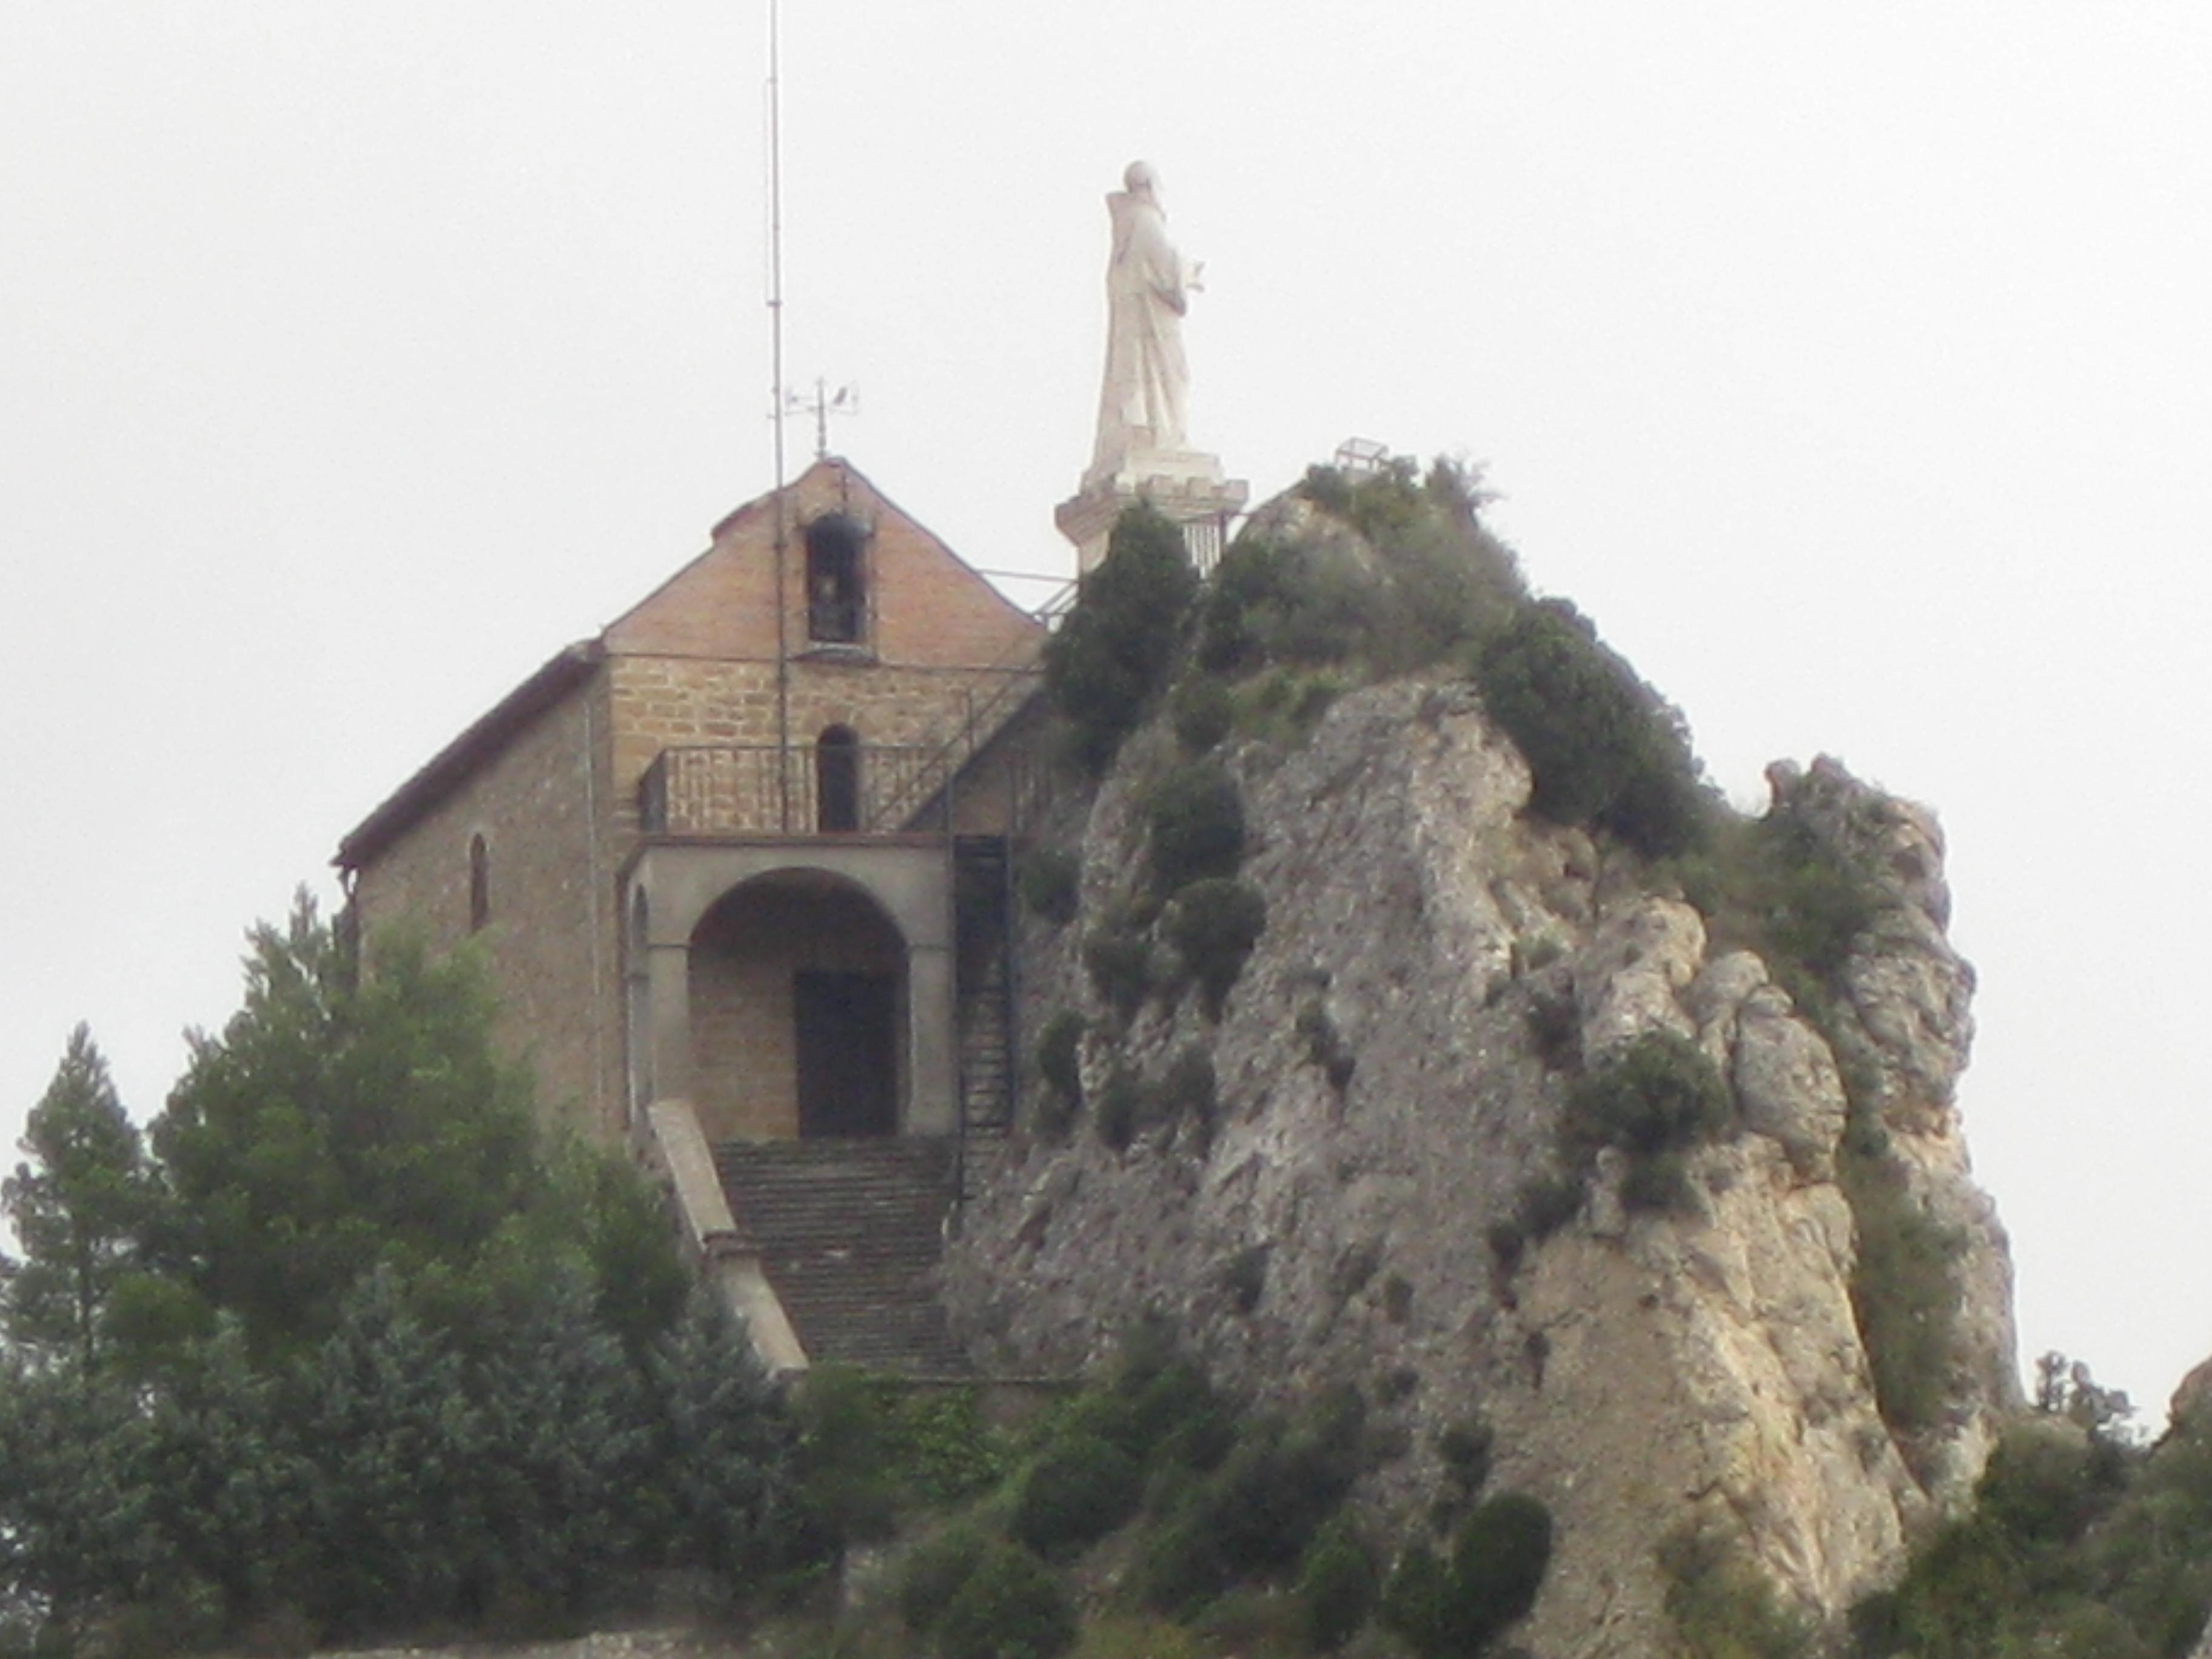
(479, 882)
(836, 597)
(838, 780)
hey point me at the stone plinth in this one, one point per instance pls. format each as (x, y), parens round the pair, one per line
(1185, 484)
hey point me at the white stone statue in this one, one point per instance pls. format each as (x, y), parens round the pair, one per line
(1148, 288)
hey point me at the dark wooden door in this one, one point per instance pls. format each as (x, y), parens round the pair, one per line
(847, 1032)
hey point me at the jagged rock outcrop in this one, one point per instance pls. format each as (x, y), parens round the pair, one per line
(1391, 1069)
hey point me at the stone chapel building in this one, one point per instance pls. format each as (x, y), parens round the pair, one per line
(739, 867)
(692, 880)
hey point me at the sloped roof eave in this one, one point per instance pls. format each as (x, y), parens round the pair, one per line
(485, 738)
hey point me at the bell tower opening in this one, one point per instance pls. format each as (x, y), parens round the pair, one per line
(836, 581)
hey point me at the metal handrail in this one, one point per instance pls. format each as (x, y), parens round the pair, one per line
(740, 788)
(1020, 668)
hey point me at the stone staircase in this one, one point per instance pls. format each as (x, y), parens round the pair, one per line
(848, 1232)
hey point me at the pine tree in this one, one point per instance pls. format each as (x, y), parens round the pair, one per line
(396, 1526)
(342, 1121)
(79, 1207)
(730, 1454)
(565, 1439)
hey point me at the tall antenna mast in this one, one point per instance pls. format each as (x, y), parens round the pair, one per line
(775, 358)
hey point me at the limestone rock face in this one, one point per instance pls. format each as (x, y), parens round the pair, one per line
(1391, 1071)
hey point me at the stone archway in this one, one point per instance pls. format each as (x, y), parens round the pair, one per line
(908, 882)
(797, 994)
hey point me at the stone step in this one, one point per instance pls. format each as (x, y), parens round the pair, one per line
(850, 1232)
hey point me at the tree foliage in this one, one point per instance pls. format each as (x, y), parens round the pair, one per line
(1111, 656)
(356, 1354)
(342, 1119)
(80, 1207)
(1603, 749)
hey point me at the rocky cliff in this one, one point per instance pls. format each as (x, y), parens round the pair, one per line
(1389, 1075)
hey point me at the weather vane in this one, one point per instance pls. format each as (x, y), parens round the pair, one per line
(846, 400)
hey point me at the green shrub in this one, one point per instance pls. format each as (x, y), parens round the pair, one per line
(1543, 1206)
(1196, 816)
(2045, 1482)
(1213, 925)
(935, 1571)
(1060, 1061)
(1603, 749)
(1116, 1637)
(1203, 712)
(1179, 1564)
(1011, 1606)
(1120, 961)
(1305, 600)
(1273, 1490)
(1656, 1099)
(1251, 1619)
(1424, 579)
(1283, 705)
(1337, 1585)
(945, 1450)
(1962, 1587)
(1326, 1046)
(1904, 1291)
(1465, 1447)
(1245, 1276)
(1184, 1420)
(1051, 884)
(2082, 1547)
(1112, 653)
(1246, 577)
(1398, 1298)
(850, 1473)
(1080, 1488)
(1772, 885)
(1724, 1608)
(1658, 1183)
(1093, 1412)
(1499, 1561)
(1121, 1108)
(1187, 1094)
(1417, 1602)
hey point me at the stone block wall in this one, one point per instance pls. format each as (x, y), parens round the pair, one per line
(658, 702)
(549, 941)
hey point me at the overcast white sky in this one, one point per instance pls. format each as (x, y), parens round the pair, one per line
(1849, 364)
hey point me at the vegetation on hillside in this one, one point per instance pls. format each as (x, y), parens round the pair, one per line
(1388, 572)
(340, 1347)
(2083, 1543)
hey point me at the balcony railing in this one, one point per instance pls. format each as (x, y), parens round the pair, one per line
(738, 789)
(741, 789)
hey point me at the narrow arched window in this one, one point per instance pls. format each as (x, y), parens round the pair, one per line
(479, 882)
(838, 780)
(836, 587)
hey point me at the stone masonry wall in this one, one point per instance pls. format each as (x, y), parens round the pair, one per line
(659, 702)
(550, 943)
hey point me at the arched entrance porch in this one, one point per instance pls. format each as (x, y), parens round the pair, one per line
(795, 987)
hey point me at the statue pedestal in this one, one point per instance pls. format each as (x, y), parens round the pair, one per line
(1184, 484)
